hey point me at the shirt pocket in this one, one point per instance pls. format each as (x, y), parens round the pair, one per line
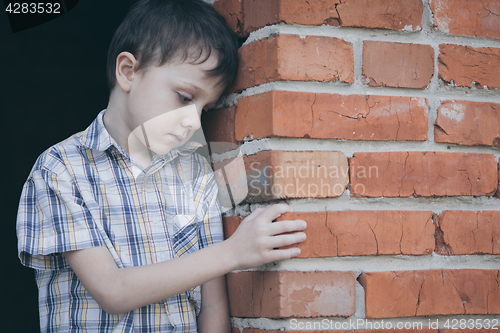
(183, 231)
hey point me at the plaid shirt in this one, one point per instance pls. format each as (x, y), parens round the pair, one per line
(82, 193)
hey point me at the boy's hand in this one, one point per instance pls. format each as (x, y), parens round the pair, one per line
(256, 240)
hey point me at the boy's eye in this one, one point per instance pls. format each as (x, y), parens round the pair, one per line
(185, 99)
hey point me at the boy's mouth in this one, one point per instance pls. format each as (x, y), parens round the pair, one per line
(177, 138)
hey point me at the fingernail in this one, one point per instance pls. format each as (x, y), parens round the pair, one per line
(296, 251)
(303, 237)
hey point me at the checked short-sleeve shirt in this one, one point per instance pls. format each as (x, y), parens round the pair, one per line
(86, 192)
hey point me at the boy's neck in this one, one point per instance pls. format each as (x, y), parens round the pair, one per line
(116, 126)
(114, 122)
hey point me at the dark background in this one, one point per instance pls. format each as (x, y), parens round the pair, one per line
(52, 84)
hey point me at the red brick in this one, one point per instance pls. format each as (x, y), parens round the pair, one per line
(374, 14)
(230, 224)
(498, 189)
(283, 294)
(354, 233)
(259, 13)
(469, 232)
(276, 174)
(289, 57)
(465, 64)
(468, 123)
(331, 116)
(218, 125)
(469, 18)
(232, 10)
(381, 14)
(431, 293)
(402, 65)
(231, 179)
(422, 174)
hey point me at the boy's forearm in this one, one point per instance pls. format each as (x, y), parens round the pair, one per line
(256, 242)
(122, 290)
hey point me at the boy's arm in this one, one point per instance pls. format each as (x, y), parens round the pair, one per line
(214, 315)
(253, 244)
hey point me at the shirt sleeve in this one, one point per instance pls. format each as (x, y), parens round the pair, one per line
(52, 219)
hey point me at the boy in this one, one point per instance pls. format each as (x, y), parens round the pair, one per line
(121, 222)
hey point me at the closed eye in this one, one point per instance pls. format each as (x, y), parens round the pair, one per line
(184, 99)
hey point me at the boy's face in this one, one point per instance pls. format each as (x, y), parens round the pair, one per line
(164, 104)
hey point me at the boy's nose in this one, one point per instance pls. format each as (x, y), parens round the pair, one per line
(192, 119)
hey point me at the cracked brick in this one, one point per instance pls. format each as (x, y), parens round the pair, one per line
(284, 294)
(430, 293)
(356, 233)
(250, 15)
(381, 14)
(291, 58)
(259, 13)
(334, 116)
(467, 66)
(470, 232)
(469, 18)
(423, 174)
(468, 123)
(401, 65)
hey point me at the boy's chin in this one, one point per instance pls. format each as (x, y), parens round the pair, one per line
(162, 149)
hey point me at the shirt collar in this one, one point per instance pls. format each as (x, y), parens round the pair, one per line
(96, 137)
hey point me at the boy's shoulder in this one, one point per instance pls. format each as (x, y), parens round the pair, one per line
(55, 158)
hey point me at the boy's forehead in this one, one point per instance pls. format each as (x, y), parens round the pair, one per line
(192, 67)
(208, 60)
(197, 70)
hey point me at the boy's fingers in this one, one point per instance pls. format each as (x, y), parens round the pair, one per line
(256, 213)
(272, 212)
(287, 239)
(278, 255)
(280, 227)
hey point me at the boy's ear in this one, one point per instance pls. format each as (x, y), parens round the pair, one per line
(125, 70)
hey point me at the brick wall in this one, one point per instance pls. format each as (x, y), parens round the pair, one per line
(379, 123)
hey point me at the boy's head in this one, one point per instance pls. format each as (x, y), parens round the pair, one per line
(157, 31)
(168, 60)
